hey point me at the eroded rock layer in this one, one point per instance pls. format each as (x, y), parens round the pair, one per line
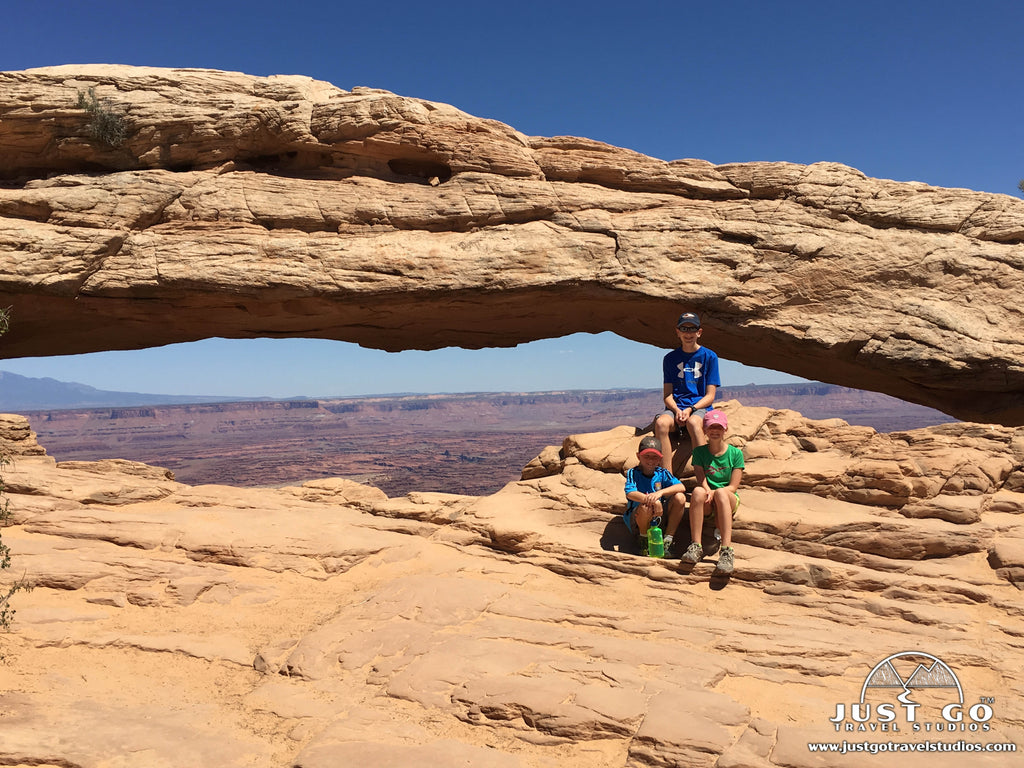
(328, 624)
(147, 206)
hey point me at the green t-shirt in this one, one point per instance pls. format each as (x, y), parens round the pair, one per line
(718, 469)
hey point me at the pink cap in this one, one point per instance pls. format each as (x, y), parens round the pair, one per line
(712, 418)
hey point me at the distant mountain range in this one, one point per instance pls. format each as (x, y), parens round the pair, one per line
(22, 393)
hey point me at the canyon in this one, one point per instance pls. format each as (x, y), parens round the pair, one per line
(327, 623)
(458, 443)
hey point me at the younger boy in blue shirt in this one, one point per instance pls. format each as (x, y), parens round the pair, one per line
(652, 491)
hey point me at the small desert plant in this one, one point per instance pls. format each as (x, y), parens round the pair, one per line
(6, 612)
(105, 125)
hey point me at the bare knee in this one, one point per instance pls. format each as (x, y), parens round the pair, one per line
(724, 499)
(642, 517)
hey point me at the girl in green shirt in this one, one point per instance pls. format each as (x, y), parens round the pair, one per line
(719, 469)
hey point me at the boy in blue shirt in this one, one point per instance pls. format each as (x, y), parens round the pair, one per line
(651, 491)
(690, 382)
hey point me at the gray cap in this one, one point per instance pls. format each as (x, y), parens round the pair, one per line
(650, 444)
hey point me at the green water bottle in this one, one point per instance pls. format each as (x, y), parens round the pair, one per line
(655, 542)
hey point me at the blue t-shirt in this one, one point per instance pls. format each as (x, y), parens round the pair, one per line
(690, 373)
(636, 480)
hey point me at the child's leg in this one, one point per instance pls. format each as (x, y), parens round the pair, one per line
(642, 516)
(676, 510)
(725, 505)
(695, 426)
(697, 502)
(664, 425)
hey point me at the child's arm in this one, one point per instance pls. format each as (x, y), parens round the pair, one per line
(632, 494)
(672, 490)
(708, 399)
(702, 478)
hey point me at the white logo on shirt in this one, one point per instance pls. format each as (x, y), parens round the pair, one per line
(695, 370)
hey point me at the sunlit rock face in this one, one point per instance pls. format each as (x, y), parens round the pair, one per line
(326, 624)
(147, 206)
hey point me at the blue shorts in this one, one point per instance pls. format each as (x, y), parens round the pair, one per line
(627, 516)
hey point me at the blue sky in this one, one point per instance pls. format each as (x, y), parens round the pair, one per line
(914, 91)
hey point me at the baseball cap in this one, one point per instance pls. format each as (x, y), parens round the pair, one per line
(688, 318)
(715, 418)
(650, 445)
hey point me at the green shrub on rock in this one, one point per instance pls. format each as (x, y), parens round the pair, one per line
(105, 125)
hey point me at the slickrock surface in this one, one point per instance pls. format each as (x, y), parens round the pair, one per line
(327, 624)
(242, 206)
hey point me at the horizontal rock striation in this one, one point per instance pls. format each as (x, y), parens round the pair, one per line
(238, 206)
(326, 623)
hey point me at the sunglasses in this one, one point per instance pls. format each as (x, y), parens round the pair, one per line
(689, 329)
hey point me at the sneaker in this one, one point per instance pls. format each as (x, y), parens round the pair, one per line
(694, 553)
(726, 561)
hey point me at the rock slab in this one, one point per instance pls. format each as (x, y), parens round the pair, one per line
(328, 624)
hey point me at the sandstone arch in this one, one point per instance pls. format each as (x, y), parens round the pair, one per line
(241, 206)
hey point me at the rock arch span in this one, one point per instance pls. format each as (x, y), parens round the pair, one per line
(242, 207)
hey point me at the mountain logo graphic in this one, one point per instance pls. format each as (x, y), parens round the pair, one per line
(927, 672)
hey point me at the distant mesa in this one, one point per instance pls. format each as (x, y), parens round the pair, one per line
(243, 207)
(26, 393)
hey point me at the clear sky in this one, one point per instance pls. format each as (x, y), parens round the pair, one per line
(912, 90)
